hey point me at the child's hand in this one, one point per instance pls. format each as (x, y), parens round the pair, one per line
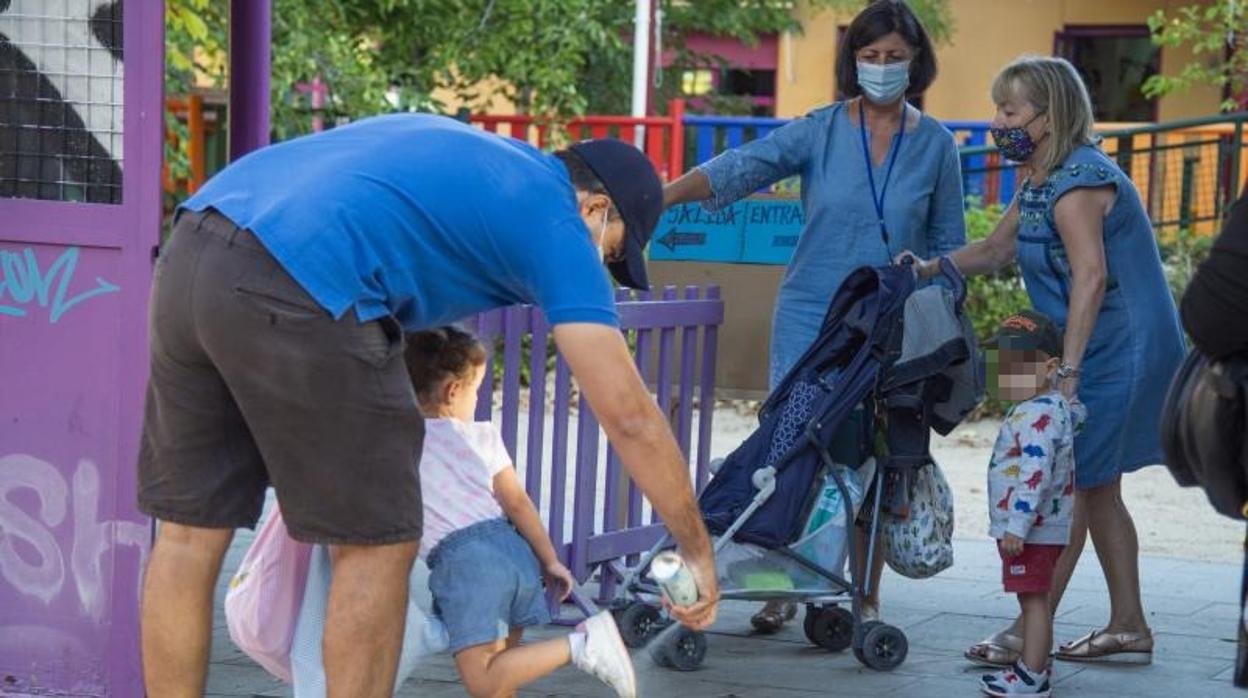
(560, 579)
(1012, 545)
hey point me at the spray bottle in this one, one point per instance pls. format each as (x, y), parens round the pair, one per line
(674, 578)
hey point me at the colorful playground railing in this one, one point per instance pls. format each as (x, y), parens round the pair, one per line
(1188, 171)
(661, 137)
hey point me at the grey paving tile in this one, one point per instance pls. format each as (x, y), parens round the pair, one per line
(1191, 605)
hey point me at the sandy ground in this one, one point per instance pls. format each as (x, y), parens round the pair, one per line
(1171, 521)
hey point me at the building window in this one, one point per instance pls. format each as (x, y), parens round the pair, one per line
(1114, 62)
(733, 91)
(696, 83)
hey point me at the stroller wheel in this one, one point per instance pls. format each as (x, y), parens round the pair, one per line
(681, 649)
(860, 635)
(831, 628)
(639, 623)
(883, 648)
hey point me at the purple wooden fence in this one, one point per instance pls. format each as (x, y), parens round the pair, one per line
(595, 514)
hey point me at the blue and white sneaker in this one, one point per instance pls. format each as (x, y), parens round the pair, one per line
(1018, 680)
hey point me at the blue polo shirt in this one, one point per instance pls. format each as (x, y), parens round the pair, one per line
(420, 217)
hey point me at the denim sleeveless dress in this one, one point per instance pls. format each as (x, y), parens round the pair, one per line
(1137, 343)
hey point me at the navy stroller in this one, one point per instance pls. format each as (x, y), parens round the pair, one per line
(759, 504)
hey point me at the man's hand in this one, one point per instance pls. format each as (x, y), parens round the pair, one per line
(642, 436)
(559, 579)
(1012, 545)
(702, 614)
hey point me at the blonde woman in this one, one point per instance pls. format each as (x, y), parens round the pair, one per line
(1086, 249)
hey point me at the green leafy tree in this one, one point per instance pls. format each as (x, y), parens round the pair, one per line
(550, 57)
(1216, 35)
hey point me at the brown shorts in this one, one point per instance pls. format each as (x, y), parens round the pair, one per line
(253, 383)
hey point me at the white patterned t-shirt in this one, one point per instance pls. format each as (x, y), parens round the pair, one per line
(457, 469)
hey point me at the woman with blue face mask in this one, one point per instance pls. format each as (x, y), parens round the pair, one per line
(877, 177)
(1086, 248)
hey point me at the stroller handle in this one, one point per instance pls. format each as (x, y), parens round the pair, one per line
(957, 282)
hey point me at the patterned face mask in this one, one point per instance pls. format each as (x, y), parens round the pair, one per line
(1015, 143)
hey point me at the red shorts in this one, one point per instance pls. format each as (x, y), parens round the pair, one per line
(1032, 571)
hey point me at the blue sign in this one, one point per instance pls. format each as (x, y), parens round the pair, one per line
(751, 231)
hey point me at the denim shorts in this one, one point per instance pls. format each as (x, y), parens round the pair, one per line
(485, 580)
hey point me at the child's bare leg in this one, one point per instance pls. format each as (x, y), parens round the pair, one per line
(497, 669)
(1037, 630)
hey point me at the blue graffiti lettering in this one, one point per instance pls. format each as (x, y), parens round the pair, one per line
(26, 284)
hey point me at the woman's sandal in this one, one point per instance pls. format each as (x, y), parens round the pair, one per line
(771, 619)
(1000, 649)
(1100, 646)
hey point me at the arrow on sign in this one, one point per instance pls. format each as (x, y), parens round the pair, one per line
(673, 239)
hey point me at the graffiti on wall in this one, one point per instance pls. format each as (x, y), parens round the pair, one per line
(34, 559)
(61, 100)
(26, 285)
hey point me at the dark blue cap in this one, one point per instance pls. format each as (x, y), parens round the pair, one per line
(636, 191)
(1028, 330)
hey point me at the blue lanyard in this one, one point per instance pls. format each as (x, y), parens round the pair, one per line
(878, 198)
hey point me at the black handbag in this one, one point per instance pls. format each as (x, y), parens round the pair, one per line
(1203, 427)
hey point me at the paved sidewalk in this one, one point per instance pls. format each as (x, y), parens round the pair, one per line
(1192, 608)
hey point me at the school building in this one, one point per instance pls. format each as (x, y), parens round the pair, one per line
(1108, 40)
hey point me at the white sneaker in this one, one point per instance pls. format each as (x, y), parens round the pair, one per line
(1018, 680)
(604, 655)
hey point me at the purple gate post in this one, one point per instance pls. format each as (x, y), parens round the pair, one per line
(250, 44)
(79, 220)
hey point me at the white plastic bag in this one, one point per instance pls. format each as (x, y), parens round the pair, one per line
(424, 635)
(825, 539)
(263, 600)
(921, 545)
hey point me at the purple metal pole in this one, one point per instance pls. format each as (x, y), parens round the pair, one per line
(586, 490)
(250, 68)
(688, 357)
(559, 453)
(706, 403)
(515, 325)
(537, 408)
(643, 358)
(616, 503)
(667, 347)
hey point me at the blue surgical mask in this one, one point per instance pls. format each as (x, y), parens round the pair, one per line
(884, 84)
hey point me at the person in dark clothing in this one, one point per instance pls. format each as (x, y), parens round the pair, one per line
(1215, 307)
(1215, 315)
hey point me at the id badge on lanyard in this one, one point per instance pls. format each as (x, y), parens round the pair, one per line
(877, 196)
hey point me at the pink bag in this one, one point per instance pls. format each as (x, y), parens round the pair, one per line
(262, 604)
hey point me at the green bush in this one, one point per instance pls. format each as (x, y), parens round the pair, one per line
(991, 298)
(1181, 253)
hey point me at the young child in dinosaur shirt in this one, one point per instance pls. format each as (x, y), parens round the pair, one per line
(1031, 487)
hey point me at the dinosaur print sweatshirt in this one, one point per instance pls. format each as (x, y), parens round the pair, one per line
(1031, 478)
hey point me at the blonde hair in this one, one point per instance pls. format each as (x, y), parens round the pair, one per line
(1054, 88)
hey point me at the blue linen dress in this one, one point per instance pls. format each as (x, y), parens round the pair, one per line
(923, 209)
(1137, 343)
